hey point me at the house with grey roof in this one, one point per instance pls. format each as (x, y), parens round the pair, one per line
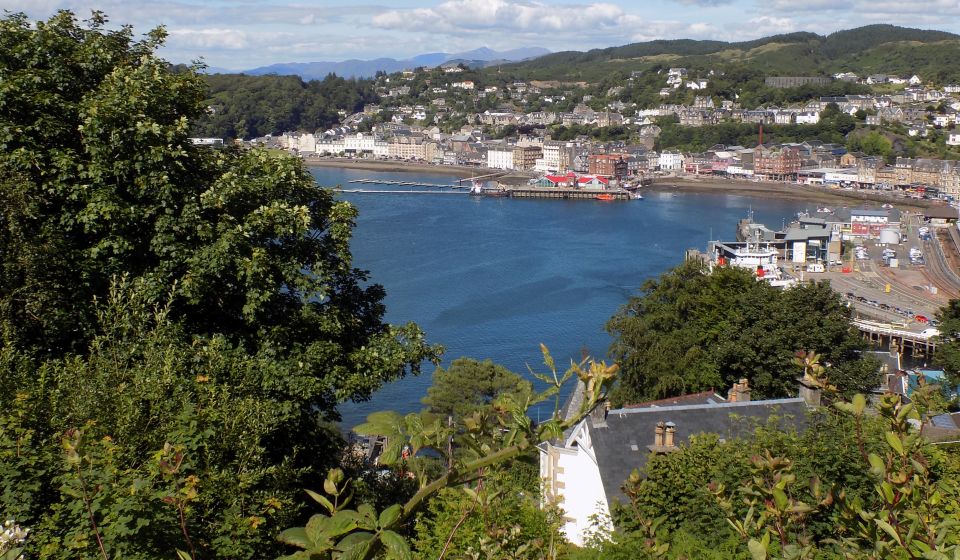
(583, 472)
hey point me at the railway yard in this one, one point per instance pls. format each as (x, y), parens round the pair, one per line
(910, 293)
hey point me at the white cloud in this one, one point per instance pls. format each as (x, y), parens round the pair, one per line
(769, 25)
(504, 15)
(209, 38)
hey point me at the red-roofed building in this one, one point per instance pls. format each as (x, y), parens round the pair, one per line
(593, 181)
(568, 180)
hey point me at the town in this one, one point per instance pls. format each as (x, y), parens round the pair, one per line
(421, 126)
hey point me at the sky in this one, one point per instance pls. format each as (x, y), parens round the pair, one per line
(244, 34)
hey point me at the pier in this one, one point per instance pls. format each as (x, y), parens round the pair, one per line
(561, 193)
(378, 191)
(567, 194)
(897, 338)
(406, 184)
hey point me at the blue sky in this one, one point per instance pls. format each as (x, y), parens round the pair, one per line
(242, 34)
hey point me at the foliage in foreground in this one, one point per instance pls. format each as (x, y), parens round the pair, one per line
(492, 438)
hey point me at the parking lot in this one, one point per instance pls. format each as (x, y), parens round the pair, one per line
(907, 293)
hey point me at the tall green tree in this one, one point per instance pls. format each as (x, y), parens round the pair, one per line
(99, 178)
(206, 419)
(692, 330)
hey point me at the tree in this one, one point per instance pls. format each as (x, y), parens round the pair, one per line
(99, 179)
(872, 144)
(948, 349)
(469, 386)
(692, 330)
(185, 321)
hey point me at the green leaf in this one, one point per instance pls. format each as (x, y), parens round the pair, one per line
(757, 550)
(390, 515)
(355, 545)
(780, 498)
(366, 516)
(318, 532)
(859, 403)
(381, 423)
(877, 466)
(343, 522)
(297, 536)
(894, 442)
(888, 529)
(397, 548)
(181, 555)
(321, 500)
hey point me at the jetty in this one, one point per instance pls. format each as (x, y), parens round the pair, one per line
(568, 193)
(406, 184)
(393, 191)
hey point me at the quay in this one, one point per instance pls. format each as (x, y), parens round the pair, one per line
(568, 194)
(406, 184)
(375, 191)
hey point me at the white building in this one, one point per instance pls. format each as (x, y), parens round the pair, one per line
(500, 158)
(670, 160)
(556, 158)
(808, 117)
(953, 139)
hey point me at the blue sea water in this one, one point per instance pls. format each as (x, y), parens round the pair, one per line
(494, 278)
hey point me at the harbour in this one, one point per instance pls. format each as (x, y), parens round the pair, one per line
(492, 278)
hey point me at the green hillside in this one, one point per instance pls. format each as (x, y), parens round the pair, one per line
(864, 50)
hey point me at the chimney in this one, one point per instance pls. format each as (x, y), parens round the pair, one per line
(671, 429)
(740, 392)
(598, 416)
(658, 434)
(744, 395)
(810, 393)
(733, 393)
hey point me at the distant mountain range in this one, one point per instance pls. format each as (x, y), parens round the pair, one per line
(366, 68)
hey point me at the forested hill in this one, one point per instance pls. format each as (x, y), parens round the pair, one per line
(241, 106)
(864, 50)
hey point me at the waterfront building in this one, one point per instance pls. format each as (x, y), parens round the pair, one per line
(557, 156)
(525, 157)
(500, 157)
(608, 165)
(776, 164)
(670, 160)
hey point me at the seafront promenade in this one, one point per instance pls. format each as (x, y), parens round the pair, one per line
(778, 190)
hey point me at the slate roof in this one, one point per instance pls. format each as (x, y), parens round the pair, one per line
(620, 440)
(940, 212)
(803, 234)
